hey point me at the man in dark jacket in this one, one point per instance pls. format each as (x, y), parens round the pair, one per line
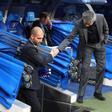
(31, 56)
(93, 33)
(46, 25)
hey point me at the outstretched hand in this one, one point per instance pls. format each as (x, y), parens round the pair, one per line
(54, 51)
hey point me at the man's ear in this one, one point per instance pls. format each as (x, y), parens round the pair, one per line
(32, 37)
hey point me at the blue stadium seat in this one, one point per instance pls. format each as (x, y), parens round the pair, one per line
(1, 16)
(2, 24)
(14, 26)
(13, 77)
(29, 19)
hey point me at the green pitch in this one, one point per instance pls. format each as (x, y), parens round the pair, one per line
(98, 106)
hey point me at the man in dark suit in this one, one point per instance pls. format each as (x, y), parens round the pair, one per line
(46, 25)
(93, 33)
(30, 55)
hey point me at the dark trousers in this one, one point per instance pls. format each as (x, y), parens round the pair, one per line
(30, 97)
(98, 51)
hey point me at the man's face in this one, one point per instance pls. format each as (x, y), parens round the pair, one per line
(45, 20)
(37, 38)
(88, 23)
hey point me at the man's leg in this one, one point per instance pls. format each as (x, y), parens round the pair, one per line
(85, 72)
(30, 97)
(100, 69)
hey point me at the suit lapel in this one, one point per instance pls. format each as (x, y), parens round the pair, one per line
(98, 26)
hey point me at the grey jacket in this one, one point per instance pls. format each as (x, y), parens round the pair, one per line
(80, 29)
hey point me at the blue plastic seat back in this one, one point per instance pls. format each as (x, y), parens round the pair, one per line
(30, 16)
(3, 26)
(9, 43)
(28, 21)
(1, 16)
(11, 73)
(14, 26)
(13, 17)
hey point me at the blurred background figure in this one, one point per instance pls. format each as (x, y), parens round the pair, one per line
(45, 23)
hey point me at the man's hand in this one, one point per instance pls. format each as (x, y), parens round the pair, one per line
(54, 51)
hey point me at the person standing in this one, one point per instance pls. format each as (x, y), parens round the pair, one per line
(31, 55)
(93, 34)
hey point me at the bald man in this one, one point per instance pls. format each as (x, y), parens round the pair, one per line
(32, 57)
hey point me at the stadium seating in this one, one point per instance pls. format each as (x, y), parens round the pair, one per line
(14, 26)
(29, 19)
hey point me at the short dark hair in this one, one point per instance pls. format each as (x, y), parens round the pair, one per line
(43, 15)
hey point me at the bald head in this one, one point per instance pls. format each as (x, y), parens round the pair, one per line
(37, 30)
(37, 35)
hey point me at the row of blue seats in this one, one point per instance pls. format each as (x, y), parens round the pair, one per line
(11, 68)
(14, 25)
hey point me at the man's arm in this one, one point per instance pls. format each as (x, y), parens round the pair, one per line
(36, 57)
(69, 39)
(105, 30)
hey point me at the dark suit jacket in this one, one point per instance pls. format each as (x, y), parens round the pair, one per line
(46, 30)
(30, 55)
(80, 29)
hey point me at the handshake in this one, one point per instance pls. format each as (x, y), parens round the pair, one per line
(54, 51)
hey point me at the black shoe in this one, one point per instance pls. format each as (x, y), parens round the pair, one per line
(80, 99)
(99, 96)
(75, 109)
(85, 111)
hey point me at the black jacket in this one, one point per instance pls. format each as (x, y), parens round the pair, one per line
(30, 55)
